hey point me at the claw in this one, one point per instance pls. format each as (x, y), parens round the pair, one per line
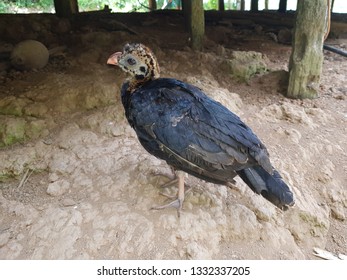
(177, 203)
(168, 196)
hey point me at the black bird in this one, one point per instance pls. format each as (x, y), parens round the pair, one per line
(193, 133)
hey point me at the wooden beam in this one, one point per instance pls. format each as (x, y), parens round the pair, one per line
(305, 65)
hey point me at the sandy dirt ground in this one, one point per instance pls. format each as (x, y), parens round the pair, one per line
(78, 185)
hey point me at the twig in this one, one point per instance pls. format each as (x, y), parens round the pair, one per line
(25, 178)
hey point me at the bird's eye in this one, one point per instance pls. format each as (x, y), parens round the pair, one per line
(131, 61)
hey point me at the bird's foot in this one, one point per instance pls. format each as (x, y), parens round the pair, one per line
(178, 202)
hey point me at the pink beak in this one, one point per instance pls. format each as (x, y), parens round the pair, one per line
(113, 59)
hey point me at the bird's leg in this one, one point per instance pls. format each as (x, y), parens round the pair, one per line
(177, 203)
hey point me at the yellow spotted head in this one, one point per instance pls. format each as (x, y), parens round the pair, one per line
(137, 60)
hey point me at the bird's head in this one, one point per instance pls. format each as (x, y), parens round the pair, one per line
(137, 60)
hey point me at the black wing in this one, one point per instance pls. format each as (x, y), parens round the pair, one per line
(177, 122)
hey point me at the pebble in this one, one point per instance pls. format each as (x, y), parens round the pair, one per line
(337, 212)
(4, 238)
(263, 211)
(58, 188)
(53, 177)
(68, 202)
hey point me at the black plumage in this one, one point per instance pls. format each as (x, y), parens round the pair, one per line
(178, 123)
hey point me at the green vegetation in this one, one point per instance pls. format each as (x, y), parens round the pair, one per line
(47, 6)
(211, 5)
(26, 6)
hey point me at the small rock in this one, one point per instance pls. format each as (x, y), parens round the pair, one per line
(329, 149)
(293, 134)
(334, 195)
(29, 54)
(4, 238)
(36, 109)
(258, 29)
(12, 130)
(337, 212)
(196, 251)
(64, 162)
(261, 209)
(13, 106)
(68, 202)
(62, 26)
(220, 50)
(294, 114)
(285, 36)
(289, 112)
(244, 224)
(58, 188)
(20, 237)
(36, 26)
(243, 65)
(36, 128)
(53, 177)
(327, 171)
(319, 115)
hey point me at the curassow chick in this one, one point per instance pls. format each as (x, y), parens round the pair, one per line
(193, 133)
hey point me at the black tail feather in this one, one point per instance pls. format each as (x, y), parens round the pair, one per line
(272, 187)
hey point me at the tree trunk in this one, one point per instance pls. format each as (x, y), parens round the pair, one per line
(266, 4)
(221, 5)
(197, 24)
(254, 5)
(152, 5)
(283, 6)
(65, 8)
(305, 65)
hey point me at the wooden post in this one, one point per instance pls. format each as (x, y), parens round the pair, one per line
(197, 24)
(152, 5)
(243, 5)
(187, 8)
(221, 6)
(283, 6)
(305, 65)
(65, 8)
(254, 5)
